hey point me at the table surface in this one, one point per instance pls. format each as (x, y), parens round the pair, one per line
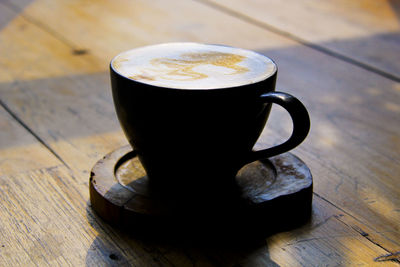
(340, 58)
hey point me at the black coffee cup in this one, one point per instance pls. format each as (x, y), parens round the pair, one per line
(199, 139)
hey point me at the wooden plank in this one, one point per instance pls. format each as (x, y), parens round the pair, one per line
(325, 241)
(33, 55)
(366, 31)
(74, 114)
(19, 150)
(40, 226)
(24, 57)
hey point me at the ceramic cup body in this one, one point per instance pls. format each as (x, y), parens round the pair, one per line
(199, 138)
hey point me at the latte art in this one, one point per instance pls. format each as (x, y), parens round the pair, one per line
(193, 66)
(183, 69)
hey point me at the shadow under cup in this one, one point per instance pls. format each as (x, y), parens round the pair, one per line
(197, 140)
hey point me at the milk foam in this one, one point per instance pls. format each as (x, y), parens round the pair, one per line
(193, 66)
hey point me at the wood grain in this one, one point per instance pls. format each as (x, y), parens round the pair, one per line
(363, 31)
(19, 150)
(64, 98)
(26, 58)
(41, 226)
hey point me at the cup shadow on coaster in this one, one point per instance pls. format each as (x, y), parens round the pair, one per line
(270, 195)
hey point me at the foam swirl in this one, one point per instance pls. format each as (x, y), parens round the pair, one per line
(193, 66)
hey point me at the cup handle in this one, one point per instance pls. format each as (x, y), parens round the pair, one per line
(301, 124)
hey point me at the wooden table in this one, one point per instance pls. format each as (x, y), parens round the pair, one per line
(341, 58)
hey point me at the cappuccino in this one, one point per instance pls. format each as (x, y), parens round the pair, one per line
(193, 66)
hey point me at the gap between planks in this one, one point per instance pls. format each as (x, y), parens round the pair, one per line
(29, 130)
(300, 40)
(237, 15)
(356, 229)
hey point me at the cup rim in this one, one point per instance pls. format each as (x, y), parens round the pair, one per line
(272, 74)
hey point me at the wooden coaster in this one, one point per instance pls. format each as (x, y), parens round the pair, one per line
(273, 194)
